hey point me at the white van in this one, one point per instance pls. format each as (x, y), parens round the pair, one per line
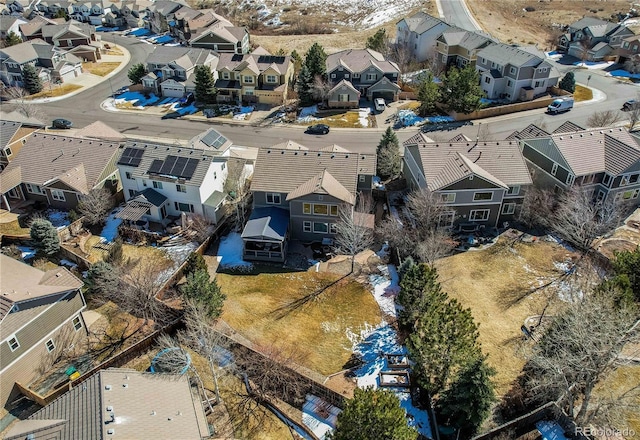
(379, 104)
(560, 105)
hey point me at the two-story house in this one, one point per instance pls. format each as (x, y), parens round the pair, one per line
(39, 313)
(127, 13)
(605, 159)
(33, 28)
(417, 35)
(75, 38)
(17, 7)
(304, 205)
(513, 73)
(51, 8)
(160, 13)
(258, 77)
(10, 24)
(13, 135)
(592, 39)
(209, 31)
(483, 183)
(363, 70)
(459, 47)
(56, 171)
(171, 69)
(163, 181)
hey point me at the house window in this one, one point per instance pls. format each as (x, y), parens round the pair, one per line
(157, 185)
(306, 226)
(538, 84)
(333, 210)
(13, 343)
(607, 180)
(513, 190)
(372, 76)
(273, 198)
(588, 179)
(184, 207)
(272, 79)
(248, 79)
(634, 178)
(34, 189)
(601, 195)
(7, 151)
(570, 179)
(356, 75)
(483, 61)
(631, 194)
(493, 65)
(508, 208)
(50, 345)
(479, 215)
(306, 208)
(181, 188)
(444, 59)
(320, 228)
(343, 97)
(77, 323)
(58, 195)
(624, 181)
(362, 178)
(132, 193)
(482, 196)
(448, 197)
(445, 220)
(554, 169)
(128, 175)
(346, 75)
(333, 229)
(320, 210)
(487, 80)
(225, 75)
(333, 75)
(512, 70)
(509, 83)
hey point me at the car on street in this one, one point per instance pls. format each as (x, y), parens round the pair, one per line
(61, 123)
(317, 129)
(121, 90)
(631, 104)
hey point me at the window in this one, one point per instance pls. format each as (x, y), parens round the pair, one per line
(306, 226)
(445, 220)
(157, 185)
(77, 323)
(128, 175)
(343, 97)
(479, 215)
(482, 196)
(7, 152)
(58, 195)
(346, 75)
(225, 75)
(356, 75)
(444, 59)
(34, 189)
(372, 76)
(538, 84)
(13, 343)
(333, 210)
(631, 194)
(320, 228)
(508, 208)
(333, 229)
(306, 208)
(273, 198)
(487, 80)
(132, 193)
(362, 178)
(601, 195)
(554, 169)
(333, 75)
(13, 193)
(50, 345)
(493, 65)
(509, 83)
(272, 79)
(513, 190)
(607, 180)
(184, 207)
(588, 179)
(570, 179)
(624, 181)
(320, 210)
(483, 61)
(248, 79)
(181, 188)
(512, 70)
(448, 197)
(634, 178)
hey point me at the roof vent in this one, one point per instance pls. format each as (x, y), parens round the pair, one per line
(305, 153)
(107, 387)
(346, 156)
(295, 153)
(125, 385)
(282, 152)
(332, 156)
(153, 413)
(363, 158)
(109, 408)
(111, 431)
(319, 154)
(268, 151)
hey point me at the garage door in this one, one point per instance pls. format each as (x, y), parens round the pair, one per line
(68, 74)
(173, 92)
(386, 95)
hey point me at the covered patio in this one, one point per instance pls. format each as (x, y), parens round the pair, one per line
(266, 234)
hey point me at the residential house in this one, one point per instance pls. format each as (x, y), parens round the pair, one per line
(257, 77)
(10, 23)
(127, 13)
(32, 30)
(593, 39)
(210, 31)
(40, 312)
(417, 35)
(51, 8)
(159, 14)
(459, 47)
(304, 205)
(74, 37)
(90, 11)
(161, 182)
(483, 183)
(17, 7)
(606, 160)
(629, 50)
(120, 403)
(513, 73)
(172, 69)
(13, 135)
(55, 170)
(366, 71)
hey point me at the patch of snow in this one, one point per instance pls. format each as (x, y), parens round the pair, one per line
(110, 230)
(319, 416)
(396, 215)
(27, 252)
(564, 266)
(230, 252)
(384, 251)
(307, 114)
(386, 288)
(377, 182)
(59, 219)
(382, 15)
(71, 264)
(593, 64)
(363, 116)
(554, 239)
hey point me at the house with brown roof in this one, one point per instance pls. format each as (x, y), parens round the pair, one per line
(482, 183)
(56, 171)
(40, 315)
(120, 403)
(258, 77)
(12, 136)
(605, 160)
(304, 205)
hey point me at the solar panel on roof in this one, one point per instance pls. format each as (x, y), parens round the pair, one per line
(168, 164)
(131, 157)
(179, 166)
(155, 167)
(190, 168)
(213, 139)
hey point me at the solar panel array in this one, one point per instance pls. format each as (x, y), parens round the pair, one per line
(269, 59)
(181, 167)
(213, 139)
(131, 156)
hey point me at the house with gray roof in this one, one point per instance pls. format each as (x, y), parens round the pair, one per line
(161, 182)
(40, 316)
(304, 205)
(482, 183)
(417, 35)
(13, 135)
(459, 47)
(120, 403)
(605, 160)
(593, 39)
(513, 73)
(56, 171)
(160, 14)
(366, 71)
(10, 23)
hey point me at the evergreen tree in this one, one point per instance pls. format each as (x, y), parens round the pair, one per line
(102, 277)
(378, 41)
(61, 13)
(115, 255)
(626, 275)
(568, 82)
(388, 152)
(205, 291)
(12, 39)
(404, 267)
(136, 72)
(32, 82)
(297, 61)
(461, 90)
(316, 61)
(194, 263)
(467, 403)
(45, 236)
(205, 90)
(419, 284)
(373, 414)
(428, 94)
(305, 86)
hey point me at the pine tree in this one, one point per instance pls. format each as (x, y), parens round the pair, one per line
(461, 90)
(12, 39)
(568, 82)
(419, 284)
(297, 61)
(428, 94)
(388, 152)
(194, 262)
(378, 41)
(136, 72)
(102, 277)
(373, 414)
(316, 61)
(205, 291)
(32, 82)
(205, 85)
(45, 236)
(305, 86)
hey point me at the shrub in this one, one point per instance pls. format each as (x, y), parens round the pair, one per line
(45, 236)
(529, 8)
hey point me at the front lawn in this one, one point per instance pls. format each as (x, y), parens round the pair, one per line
(100, 69)
(260, 307)
(582, 93)
(58, 90)
(13, 228)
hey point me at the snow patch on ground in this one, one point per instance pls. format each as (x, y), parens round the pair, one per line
(386, 288)
(230, 252)
(377, 182)
(65, 262)
(59, 219)
(307, 114)
(27, 252)
(591, 65)
(363, 116)
(110, 230)
(319, 416)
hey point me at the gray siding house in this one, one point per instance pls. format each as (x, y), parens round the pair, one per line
(39, 312)
(417, 34)
(303, 205)
(459, 47)
(482, 182)
(592, 39)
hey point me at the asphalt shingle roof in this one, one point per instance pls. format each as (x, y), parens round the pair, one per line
(504, 54)
(8, 130)
(421, 22)
(357, 60)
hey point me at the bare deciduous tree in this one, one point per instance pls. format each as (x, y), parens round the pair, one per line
(634, 117)
(236, 186)
(353, 235)
(95, 205)
(23, 105)
(321, 88)
(603, 118)
(199, 226)
(402, 57)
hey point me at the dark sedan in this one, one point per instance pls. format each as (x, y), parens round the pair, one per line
(61, 123)
(318, 129)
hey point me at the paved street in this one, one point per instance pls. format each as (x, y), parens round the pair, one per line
(455, 12)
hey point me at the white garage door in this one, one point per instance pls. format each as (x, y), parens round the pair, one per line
(172, 91)
(67, 74)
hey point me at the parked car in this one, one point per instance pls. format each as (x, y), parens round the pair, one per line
(61, 123)
(121, 90)
(379, 104)
(560, 105)
(631, 104)
(318, 129)
(187, 100)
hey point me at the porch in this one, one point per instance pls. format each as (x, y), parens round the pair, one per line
(266, 234)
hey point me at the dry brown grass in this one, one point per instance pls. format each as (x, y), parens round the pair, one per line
(490, 282)
(623, 379)
(13, 228)
(100, 68)
(348, 119)
(55, 91)
(501, 18)
(582, 93)
(316, 330)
